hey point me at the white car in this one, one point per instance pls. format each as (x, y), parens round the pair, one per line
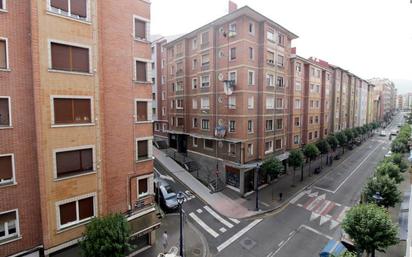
(383, 133)
(389, 154)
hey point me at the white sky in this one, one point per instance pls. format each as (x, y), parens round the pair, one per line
(371, 38)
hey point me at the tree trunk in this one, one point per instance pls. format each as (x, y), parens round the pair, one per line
(301, 173)
(293, 178)
(321, 161)
(310, 161)
(343, 150)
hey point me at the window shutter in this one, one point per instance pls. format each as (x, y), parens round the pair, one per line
(60, 57)
(79, 7)
(86, 208)
(149, 111)
(142, 151)
(6, 217)
(87, 159)
(142, 111)
(4, 112)
(3, 54)
(150, 148)
(139, 29)
(67, 163)
(63, 111)
(80, 59)
(67, 213)
(141, 71)
(60, 4)
(6, 168)
(143, 186)
(82, 110)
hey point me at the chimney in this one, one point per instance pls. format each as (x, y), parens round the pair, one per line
(232, 6)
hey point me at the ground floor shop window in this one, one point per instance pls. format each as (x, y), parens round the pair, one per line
(232, 177)
(140, 242)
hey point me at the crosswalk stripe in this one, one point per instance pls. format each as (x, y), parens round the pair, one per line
(218, 217)
(237, 235)
(342, 214)
(203, 225)
(296, 198)
(234, 220)
(199, 211)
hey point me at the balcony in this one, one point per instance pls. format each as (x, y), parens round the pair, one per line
(178, 55)
(205, 66)
(204, 45)
(179, 73)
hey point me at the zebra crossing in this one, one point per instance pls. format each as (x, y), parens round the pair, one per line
(325, 211)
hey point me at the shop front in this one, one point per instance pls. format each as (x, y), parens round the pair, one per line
(143, 230)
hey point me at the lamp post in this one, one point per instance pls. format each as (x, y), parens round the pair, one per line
(180, 200)
(257, 187)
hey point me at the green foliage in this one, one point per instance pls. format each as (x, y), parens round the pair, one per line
(391, 170)
(342, 139)
(296, 158)
(346, 254)
(398, 146)
(349, 134)
(311, 151)
(370, 227)
(398, 159)
(355, 132)
(408, 118)
(387, 188)
(106, 237)
(323, 146)
(272, 166)
(333, 142)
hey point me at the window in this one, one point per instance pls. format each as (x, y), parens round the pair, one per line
(163, 111)
(250, 149)
(268, 147)
(164, 127)
(2, 4)
(141, 71)
(279, 81)
(298, 67)
(179, 103)
(251, 28)
(143, 189)
(194, 43)
(318, 73)
(194, 103)
(140, 28)
(179, 86)
(232, 28)
(9, 225)
(205, 61)
(296, 140)
(76, 9)
(297, 122)
(180, 121)
(163, 80)
(154, 96)
(232, 126)
(281, 39)
(250, 102)
(250, 126)
(75, 162)
(310, 135)
(250, 53)
(205, 124)
(312, 71)
(270, 57)
(298, 86)
(233, 76)
(144, 148)
(297, 104)
(317, 104)
(311, 104)
(270, 80)
(163, 63)
(311, 120)
(316, 119)
(157, 126)
(72, 111)
(194, 83)
(232, 53)
(163, 95)
(205, 81)
(4, 53)
(278, 144)
(232, 102)
(269, 125)
(5, 112)
(204, 103)
(279, 103)
(232, 149)
(205, 39)
(251, 77)
(195, 141)
(316, 134)
(143, 110)
(270, 102)
(208, 144)
(194, 64)
(280, 60)
(270, 35)
(7, 173)
(279, 123)
(70, 58)
(195, 123)
(72, 212)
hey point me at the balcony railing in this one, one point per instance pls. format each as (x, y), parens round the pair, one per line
(143, 203)
(179, 73)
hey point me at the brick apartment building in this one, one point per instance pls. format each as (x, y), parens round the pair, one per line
(66, 155)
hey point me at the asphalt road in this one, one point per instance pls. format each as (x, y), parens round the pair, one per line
(305, 225)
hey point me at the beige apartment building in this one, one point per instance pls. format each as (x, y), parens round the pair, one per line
(71, 155)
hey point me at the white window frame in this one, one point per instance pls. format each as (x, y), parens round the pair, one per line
(13, 166)
(253, 77)
(281, 101)
(270, 102)
(157, 127)
(253, 28)
(251, 149)
(298, 140)
(194, 43)
(297, 104)
(281, 143)
(201, 81)
(201, 124)
(251, 102)
(251, 52)
(270, 35)
(283, 81)
(193, 122)
(298, 86)
(17, 234)
(194, 83)
(270, 79)
(55, 11)
(230, 128)
(163, 95)
(92, 119)
(194, 64)
(229, 149)
(231, 102)
(194, 103)
(195, 142)
(7, 52)
(252, 127)
(150, 189)
(75, 148)
(177, 105)
(10, 112)
(50, 69)
(148, 68)
(77, 222)
(202, 103)
(149, 110)
(294, 122)
(163, 111)
(230, 54)
(149, 148)
(271, 147)
(203, 57)
(278, 63)
(164, 127)
(266, 127)
(147, 21)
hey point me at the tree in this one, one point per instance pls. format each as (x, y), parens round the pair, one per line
(398, 146)
(349, 134)
(370, 227)
(106, 236)
(272, 166)
(356, 132)
(398, 159)
(333, 142)
(324, 148)
(311, 152)
(387, 188)
(391, 170)
(296, 160)
(342, 139)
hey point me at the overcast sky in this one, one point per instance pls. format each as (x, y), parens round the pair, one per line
(371, 38)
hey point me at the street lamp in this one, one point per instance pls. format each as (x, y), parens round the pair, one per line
(180, 200)
(257, 187)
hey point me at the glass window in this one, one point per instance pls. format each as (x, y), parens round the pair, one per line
(72, 111)
(69, 58)
(5, 112)
(75, 162)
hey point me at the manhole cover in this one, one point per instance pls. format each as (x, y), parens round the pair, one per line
(196, 251)
(247, 243)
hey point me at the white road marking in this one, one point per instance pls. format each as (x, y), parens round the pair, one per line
(314, 216)
(234, 220)
(237, 235)
(317, 232)
(323, 206)
(299, 205)
(342, 214)
(315, 203)
(291, 233)
(218, 217)
(315, 194)
(296, 198)
(203, 225)
(223, 230)
(199, 211)
(281, 243)
(323, 220)
(333, 224)
(265, 204)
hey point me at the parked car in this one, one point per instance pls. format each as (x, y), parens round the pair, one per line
(383, 133)
(357, 141)
(394, 132)
(388, 154)
(168, 197)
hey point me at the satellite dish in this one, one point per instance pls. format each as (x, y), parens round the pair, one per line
(220, 121)
(220, 76)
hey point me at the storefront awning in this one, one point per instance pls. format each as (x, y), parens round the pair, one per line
(144, 224)
(230, 140)
(280, 157)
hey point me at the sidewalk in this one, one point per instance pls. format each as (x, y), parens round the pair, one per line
(195, 244)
